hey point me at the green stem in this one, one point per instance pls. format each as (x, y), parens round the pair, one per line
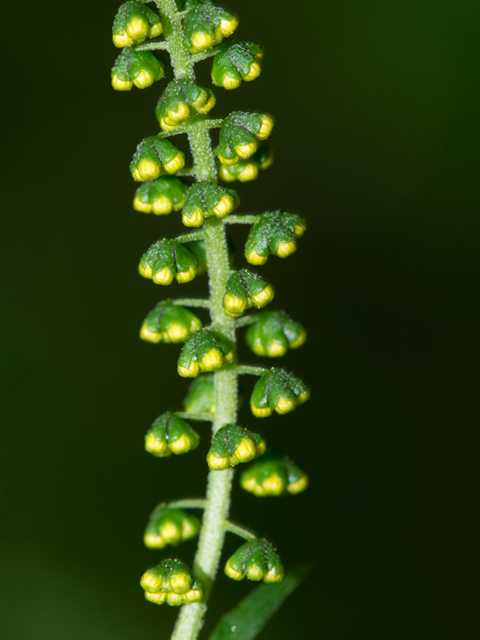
(188, 503)
(200, 417)
(240, 530)
(245, 219)
(249, 370)
(173, 31)
(246, 320)
(192, 302)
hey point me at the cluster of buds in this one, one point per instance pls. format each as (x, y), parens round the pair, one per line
(167, 260)
(171, 582)
(169, 322)
(236, 62)
(245, 290)
(240, 135)
(274, 333)
(139, 68)
(273, 476)
(201, 396)
(274, 233)
(232, 445)
(246, 170)
(154, 156)
(205, 199)
(179, 100)
(161, 196)
(256, 560)
(277, 390)
(206, 25)
(205, 350)
(134, 23)
(170, 434)
(169, 526)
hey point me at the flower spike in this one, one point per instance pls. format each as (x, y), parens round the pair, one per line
(245, 290)
(232, 445)
(200, 397)
(169, 322)
(273, 233)
(205, 350)
(170, 434)
(236, 62)
(161, 196)
(166, 260)
(240, 135)
(274, 333)
(277, 390)
(205, 199)
(154, 156)
(168, 526)
(255, 560)
(180, 100)
(273, 475)
(133, 23)
(206, 25)
(171, 581)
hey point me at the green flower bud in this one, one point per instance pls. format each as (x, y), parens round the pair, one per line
(153, 156)
(205, 350)
(166, 260)
(180, 100)
(245, 290)
(236, 62)
(197, 248)
(133, 23)
(170, 434)
(161, 196)
(206, 25)
(171, 582)
(232, 445)
(246, 170)
(273, 333)
(240, 135)
(168, 526)
(273, 475)
(201, 397)
(169, 322)
(255, 560)
(139, 68)
(274, 232)
(277, 390)
(205, 199)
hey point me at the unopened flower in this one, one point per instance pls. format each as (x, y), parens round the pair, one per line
(139, 68)
(246, 170)
(206, 25)
(240, 135)
(170, 434)
(277, 390)
(244, 290)
(180, 100)
(201, 395)
(133, 23)
(273, 475)
(205, 350)
(167, 260)
(161, 196)
(171, 581)
(232, 445)
(273, 333)
(236, 62)
(205, 199)
(274, 232)
(255, 560)
(169, 322)
(169, 526)
(154, 156)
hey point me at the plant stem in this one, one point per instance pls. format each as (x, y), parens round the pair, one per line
(240, 530)
(249, 370)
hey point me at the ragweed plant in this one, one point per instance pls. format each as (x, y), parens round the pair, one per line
(194, 32)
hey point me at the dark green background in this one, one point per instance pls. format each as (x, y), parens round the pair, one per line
(376, 142)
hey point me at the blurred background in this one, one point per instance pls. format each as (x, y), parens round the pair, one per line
(376, 143)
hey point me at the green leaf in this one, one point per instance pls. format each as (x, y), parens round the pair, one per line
(248, 618)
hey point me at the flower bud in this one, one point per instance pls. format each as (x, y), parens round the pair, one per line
(153, 156)
(166, 260)
(240, 135)
(255, 560)
(273, 333)
(133, 23)
(205, 350)
(171, 582)
(206, 25)
(232, 445)
(246, 170)
(168, 526)
(245, 290)
(236, 62)
(161, 196)
(169, 322)
(170, 434)
(205, 199)
(180, 100)
(139, 68)
(201, 397)
(274, 232)
(277, 390)
(273, 475)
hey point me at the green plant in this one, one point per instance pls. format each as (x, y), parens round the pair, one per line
(190, 35)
